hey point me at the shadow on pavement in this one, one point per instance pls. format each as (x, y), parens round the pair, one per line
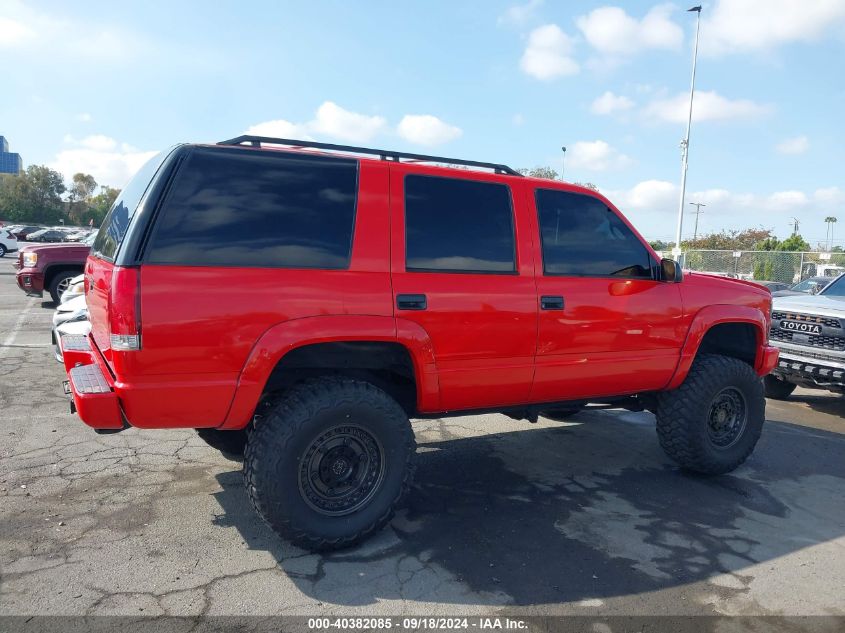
(562, 514)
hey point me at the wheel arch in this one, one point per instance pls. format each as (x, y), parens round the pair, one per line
(729, 330)
(336, 344)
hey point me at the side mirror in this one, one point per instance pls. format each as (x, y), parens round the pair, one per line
(670, 271)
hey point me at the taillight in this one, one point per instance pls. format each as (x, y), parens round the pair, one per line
(125, 310)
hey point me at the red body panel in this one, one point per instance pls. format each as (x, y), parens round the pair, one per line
(210, 337)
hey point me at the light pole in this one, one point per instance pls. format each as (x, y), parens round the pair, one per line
(563, 163)
(685, 143)
(697, 212)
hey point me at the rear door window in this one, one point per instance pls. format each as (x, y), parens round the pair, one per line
(117, 220)
(582, 237)
(233, 207)
(458, 225)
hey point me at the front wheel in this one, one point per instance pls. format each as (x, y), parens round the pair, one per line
(327, 465)
(711, 423)
(776, 388)
(59, 284)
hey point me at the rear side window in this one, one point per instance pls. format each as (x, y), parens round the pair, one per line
(117, 219)
(582, 236)
(458, 225)
(258, 209)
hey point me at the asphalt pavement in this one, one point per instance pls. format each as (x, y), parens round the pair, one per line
(583, 517)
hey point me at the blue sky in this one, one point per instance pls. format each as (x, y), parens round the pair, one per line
(95, 86)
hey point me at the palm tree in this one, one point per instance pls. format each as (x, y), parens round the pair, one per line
(830, 221)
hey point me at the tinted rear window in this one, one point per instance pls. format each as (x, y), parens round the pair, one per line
(117, 219)
(260, 209)
(458, 225)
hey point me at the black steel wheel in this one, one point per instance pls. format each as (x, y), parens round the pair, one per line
(327, 463)
(341, 470)
(728, 414)
(711, 423)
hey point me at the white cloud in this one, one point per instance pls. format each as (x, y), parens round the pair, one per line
(797, 145)
(278, 128)
(609, 103)
(595, 156)
(652, 206)
(548, 54)
(329, 120)
(14, 33)
(110, 162)
(736, 26)
(425, 129)
(332, 120)
(708, 106)
(611, 31)
(519, 14)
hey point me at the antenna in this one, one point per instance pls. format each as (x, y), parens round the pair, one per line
(795, 223)
(697, 212)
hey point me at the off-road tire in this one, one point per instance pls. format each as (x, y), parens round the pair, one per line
(683, 415)
(230, 443)
(561, 414)
(776, 388)
(53, 289)
(288, 428)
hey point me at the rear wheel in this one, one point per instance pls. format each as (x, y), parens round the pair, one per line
(60, 283)
(777, 388)
(327, 465)
(2, 251)
(711, 423)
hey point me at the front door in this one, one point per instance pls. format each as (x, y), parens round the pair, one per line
(607, 325)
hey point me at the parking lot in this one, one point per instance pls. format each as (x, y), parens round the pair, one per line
(583, 517)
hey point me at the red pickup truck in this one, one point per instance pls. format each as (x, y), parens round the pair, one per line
(50, 267)
(308, 300)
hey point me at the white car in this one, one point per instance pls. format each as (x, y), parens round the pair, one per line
(8, 242)
(76, 288)
(73, 310)
(79, 328)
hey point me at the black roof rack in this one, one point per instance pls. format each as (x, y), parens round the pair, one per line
(256, 141)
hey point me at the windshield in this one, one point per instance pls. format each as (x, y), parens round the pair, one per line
(117, 220)
(835, 288)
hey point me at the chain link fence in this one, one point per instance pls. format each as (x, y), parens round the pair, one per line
(782, 266)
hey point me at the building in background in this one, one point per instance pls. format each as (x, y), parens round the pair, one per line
(10, 163)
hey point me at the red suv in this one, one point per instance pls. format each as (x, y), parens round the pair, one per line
(308, 299)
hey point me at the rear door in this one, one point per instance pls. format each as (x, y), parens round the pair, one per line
(607, 326)
(462, 270)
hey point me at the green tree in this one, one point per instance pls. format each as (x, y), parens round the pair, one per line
(794, 243)
(80, 195)
(539, 172)
(100, 205)
(33, 196)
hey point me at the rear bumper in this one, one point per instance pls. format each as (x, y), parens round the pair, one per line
(30, 281)
(90, 385)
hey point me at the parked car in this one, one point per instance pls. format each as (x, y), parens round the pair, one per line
(50, 267)
(311, 303)
(22, 233)
(77, 329)
(8, 242)
(76, 288)
(811, 286)
(809, 330)
(47, 235)
(773, 286)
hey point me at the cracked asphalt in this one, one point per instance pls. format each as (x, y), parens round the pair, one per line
(585, 517)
